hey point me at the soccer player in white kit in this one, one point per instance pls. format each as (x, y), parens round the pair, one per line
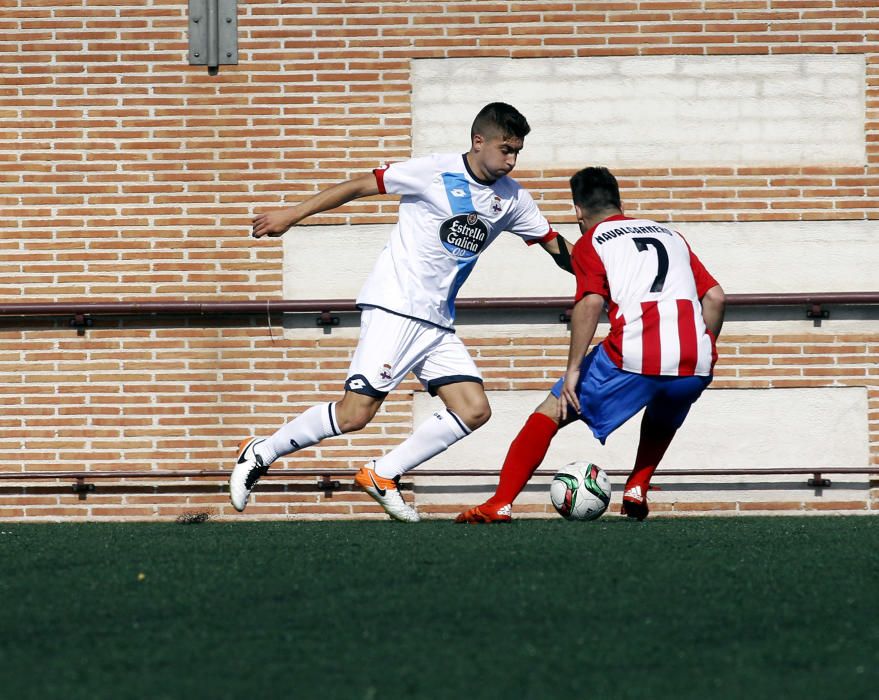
(451, 209)
(665, 312)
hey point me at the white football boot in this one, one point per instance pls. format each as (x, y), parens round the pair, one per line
(246, 473)
(387, 493)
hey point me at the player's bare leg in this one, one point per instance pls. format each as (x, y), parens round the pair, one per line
(524, 456)
(255, 455)
(354, 412)
(467, 409)
(467, 400)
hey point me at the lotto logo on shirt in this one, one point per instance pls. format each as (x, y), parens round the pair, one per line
(464, 235)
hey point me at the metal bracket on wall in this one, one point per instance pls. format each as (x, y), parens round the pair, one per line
(816, 312)
(213, 33)
(818, 481)
(80, 322)
(81, 489)
(328, 485)
(327, 319)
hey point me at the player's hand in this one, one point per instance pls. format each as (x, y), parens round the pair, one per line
(271, 223)
(569, 394)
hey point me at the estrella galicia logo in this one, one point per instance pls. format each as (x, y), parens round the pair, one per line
(464, 235)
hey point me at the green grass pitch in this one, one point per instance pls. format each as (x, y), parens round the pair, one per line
(670, 608)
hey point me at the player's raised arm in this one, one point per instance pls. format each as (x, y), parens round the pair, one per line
(560, 251)
(713, 308)
(276, 223)
(584, 321)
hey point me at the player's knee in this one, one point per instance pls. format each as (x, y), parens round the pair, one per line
(356, 420)
(354, 417)
(476, 414)
(548, 407)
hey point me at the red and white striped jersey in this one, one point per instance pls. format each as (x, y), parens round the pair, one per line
(652, 283)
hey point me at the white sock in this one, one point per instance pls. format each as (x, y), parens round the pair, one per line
(317, 423)
(442, 430)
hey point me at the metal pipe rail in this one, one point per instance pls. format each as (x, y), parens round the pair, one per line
(295, 473)
(205, 308)
(327, 477)
(81, 310)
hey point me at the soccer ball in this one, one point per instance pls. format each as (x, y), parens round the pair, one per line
(580, 491)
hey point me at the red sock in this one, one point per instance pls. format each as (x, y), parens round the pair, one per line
(651, 449)
(524, 456)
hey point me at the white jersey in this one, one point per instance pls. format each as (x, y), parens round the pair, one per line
(652, 282)
(447, 218)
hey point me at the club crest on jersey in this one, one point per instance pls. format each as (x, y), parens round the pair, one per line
(495, 205)
(464, 235)
(385, 372)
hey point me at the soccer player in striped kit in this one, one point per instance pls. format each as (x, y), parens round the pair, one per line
(665, 312)
(452, 207)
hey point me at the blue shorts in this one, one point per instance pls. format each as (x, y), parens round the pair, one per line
(610, 396)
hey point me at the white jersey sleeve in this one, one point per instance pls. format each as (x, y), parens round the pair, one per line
(409, 177)
(526, 221)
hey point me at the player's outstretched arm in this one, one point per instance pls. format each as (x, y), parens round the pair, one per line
(560, 250)
(584, 321)
(713, 308)
(276, 223)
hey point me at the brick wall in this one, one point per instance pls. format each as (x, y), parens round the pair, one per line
(137, 399)
(128, 175)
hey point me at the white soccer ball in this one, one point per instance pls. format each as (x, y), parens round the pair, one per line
(580, 491)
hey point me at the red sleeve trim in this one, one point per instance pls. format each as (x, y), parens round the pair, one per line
(380, 179)
(550, 235)
(585, 291)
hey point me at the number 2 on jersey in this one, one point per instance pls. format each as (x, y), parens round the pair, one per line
(661, 257)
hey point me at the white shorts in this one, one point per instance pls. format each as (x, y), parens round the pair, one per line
(391, 346)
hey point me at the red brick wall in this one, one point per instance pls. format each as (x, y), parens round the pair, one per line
(157, 398)
(128, 175)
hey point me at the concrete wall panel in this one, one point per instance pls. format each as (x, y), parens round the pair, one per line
(654, 111)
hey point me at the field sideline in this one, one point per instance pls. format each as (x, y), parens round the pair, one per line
(669, 608)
